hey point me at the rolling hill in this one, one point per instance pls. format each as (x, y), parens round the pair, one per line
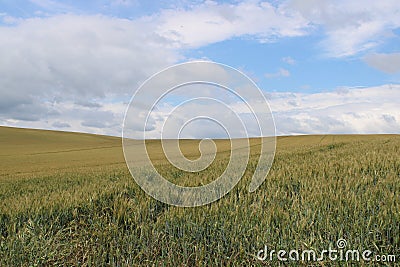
(68, 199)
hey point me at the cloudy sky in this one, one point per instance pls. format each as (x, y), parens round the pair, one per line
(324, 66)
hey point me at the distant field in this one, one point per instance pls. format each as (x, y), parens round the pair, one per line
(68, 199)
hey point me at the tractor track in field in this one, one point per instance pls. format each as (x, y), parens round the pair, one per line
(64, 151)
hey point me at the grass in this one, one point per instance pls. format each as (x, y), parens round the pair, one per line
(68, 199)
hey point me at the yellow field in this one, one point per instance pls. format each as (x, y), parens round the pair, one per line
(36, 152)
(68, 199)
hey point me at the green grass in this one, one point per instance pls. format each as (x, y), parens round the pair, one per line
(68, 199)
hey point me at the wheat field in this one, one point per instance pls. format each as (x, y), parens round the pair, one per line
(68, 199)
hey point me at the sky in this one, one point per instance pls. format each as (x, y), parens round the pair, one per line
(325, 67)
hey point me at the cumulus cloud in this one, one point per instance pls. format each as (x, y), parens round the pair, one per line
(371, 110)
(351, 26)
(212, 22)
(355, 110)
(351, 110)
(49, 63)
(78, 71)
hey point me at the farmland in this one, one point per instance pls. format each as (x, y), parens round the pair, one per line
(68, 199)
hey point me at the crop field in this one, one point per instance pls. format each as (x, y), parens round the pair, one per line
(68, 199)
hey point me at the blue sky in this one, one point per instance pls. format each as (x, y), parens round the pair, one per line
(308, 70)
(66, 64)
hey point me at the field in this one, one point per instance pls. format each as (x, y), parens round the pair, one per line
(68, 199)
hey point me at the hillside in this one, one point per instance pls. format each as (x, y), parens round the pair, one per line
(68, 199)
(30, 151)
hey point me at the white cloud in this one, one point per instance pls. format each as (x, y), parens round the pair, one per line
(351, 26)
(351, 110)
(389, 63)
(212, 22)
(346, 110)
(48, 63)
(6, 19)
(355, 110)
(78, 72)
(289, 60)
(280, 73)
(73, 117)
